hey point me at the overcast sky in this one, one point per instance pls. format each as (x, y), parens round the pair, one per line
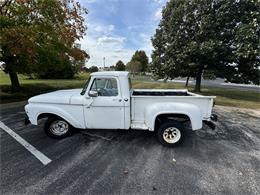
(117, 28)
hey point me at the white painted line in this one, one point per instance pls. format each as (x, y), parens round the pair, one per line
(40, 156)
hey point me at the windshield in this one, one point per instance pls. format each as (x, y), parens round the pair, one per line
(85, 87)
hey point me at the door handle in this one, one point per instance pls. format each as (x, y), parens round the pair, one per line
(120, 100)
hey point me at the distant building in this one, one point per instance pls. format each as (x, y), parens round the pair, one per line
(104, 69)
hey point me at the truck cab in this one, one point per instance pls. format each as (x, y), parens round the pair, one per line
(107, 101)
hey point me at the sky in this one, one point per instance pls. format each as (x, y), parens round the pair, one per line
(117, 28)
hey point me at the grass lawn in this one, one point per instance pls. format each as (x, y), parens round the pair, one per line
(36, 86)
(225, 97)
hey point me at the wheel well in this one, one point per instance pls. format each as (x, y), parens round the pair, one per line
(182, 118)
(47, 115)
(50, 115)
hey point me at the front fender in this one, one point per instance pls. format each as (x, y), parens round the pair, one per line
(190, 110)
(33, 112)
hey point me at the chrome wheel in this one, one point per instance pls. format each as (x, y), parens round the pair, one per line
(171, 135)
(59, 127)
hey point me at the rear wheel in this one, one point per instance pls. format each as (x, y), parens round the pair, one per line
(57, 128)
(170, 133)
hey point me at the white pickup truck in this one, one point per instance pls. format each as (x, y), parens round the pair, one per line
(107, 101)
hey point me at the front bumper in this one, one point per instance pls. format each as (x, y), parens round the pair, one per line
(27, 121)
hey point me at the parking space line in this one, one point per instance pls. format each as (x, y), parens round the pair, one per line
(40, 156)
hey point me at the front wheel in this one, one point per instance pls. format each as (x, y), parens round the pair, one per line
(57, 128)
(170, 133)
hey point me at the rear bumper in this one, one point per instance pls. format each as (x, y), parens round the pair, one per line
(214, 117)
(210, 123)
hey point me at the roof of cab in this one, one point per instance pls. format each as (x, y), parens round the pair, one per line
(110, 73)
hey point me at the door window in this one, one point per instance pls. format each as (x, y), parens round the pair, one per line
(105, 86)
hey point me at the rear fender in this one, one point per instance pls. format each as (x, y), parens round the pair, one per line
(190, 110)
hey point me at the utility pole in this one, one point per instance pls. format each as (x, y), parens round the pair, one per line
(104, 62)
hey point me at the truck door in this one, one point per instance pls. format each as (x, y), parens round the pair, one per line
(106, 111)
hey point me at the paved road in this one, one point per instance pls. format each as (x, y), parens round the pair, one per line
(225, 161)
(220, 83)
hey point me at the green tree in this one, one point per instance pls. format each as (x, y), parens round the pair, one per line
(85, 69)
(93, 69)
(221, 37)
(141, 57)
(35, 35)
(78, 59)
(133, 67)
(120, 66)
(112, 68)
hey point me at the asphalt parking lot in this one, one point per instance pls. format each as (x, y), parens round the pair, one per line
(224, 161)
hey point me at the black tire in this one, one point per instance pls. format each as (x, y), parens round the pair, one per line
(48, 127)
(177, 130)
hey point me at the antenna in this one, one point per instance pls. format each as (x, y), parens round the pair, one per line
(104, 61)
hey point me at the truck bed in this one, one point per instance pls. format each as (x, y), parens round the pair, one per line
(143, 98)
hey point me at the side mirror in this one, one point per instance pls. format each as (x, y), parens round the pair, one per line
(93, 93)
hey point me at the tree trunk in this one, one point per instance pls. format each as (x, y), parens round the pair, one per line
(30, 76)
(187, 81)
(198, 80)
(14, 81)
(165, 80)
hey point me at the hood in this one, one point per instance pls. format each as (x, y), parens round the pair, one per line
(58, 97)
